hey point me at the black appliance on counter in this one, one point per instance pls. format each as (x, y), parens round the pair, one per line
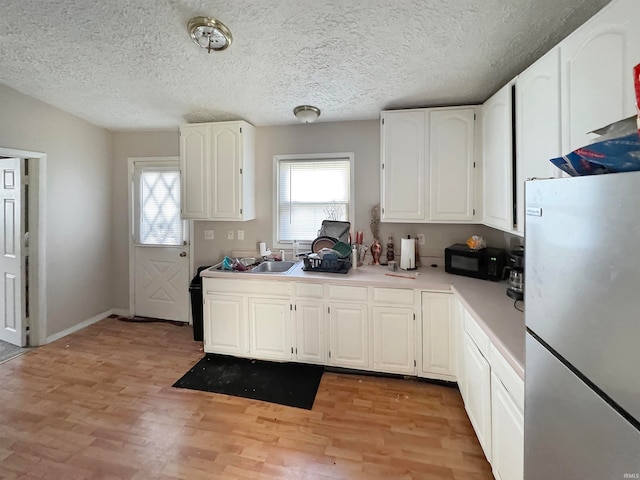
(515, 268)
(485, 264)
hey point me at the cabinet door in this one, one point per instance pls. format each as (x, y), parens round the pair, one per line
(597, 80)
(451, 165)
(394, 340)
(194, 171)
(438, 350)
(478, 393)
(226, 157)
(348, 335)
(310, 342)
(269, 328)
(225, 325)
(497, 131)
(403, 166)
(458, 323)
(507, 434)
(537, 125)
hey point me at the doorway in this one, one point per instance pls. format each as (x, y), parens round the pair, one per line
(159, 241)
(22, 265)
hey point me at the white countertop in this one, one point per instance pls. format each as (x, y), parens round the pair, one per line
(486, 301)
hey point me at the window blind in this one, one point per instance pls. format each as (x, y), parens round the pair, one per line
(310, 191)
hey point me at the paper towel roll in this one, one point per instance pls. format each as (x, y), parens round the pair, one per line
(408, 254)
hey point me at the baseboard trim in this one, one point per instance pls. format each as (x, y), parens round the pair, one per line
(80, 326)
(121, 312)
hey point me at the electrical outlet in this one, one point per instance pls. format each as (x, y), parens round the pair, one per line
(240, 234)
(208, 235)
(421, 239)
(230, 235)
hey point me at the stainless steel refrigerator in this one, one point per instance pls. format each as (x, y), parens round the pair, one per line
(582, 297)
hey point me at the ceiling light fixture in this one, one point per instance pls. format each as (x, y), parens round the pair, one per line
(209, 33)
(306, 113)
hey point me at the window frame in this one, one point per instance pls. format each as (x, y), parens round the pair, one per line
(306, 245)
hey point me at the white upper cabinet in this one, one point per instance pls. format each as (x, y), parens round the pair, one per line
(497, 157)
(427, 165)
(451, 165)
(597, 80)
(217, 162)
(538, 131)
(403, 166)
(194, 170)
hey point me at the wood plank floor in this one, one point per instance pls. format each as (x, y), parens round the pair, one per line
(99, 404)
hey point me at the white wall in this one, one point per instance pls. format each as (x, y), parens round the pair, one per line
(78, 204)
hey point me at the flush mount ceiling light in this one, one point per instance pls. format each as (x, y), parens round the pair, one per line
(209, 33)
(306, 113)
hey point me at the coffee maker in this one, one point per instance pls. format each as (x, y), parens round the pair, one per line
(515, 271)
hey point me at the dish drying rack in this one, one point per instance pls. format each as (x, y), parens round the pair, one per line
(326, 265)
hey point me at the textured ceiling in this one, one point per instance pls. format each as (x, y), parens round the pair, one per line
(130, 64)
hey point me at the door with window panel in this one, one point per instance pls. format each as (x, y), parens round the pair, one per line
(161, 264)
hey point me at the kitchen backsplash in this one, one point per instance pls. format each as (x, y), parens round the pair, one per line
(437, 238)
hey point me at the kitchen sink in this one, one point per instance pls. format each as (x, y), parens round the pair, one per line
(274, 267)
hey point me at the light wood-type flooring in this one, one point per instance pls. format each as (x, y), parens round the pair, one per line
(99, 404)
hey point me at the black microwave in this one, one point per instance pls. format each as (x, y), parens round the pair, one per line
(485, 264)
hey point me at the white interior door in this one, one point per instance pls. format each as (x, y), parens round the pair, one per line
(161, 263)
(12, 324)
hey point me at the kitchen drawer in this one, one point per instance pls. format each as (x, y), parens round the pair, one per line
(348, 293)
(246, 287)
(393, 296)
(310, 290)
(508, 376)
(477, 334)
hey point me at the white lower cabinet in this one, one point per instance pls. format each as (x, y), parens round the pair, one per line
(477, 399)
(507, 433)
(255, 323)
(349, 335)
(438, 346)
(310, 341)
(374, 328)
(225, 325)
(270, 328)
(493, 395)
(310, 345)
(457, 323)
(394, 340)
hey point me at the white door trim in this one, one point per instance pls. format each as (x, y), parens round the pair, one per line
(130, 169)
(37, 243)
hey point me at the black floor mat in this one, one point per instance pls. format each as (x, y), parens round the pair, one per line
(291, 384)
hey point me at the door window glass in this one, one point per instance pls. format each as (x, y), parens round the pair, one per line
(158, 218)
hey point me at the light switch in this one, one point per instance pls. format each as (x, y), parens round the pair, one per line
(240, 234)
(230, 235)
(421, 239)
(208, 235)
